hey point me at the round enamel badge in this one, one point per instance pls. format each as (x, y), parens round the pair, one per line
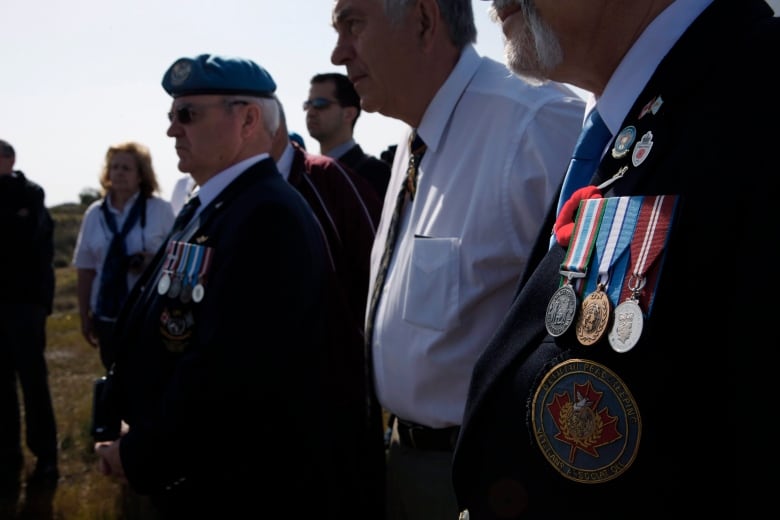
(586, 422)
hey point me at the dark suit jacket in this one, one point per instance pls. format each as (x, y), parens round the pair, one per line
(374, 170)
(348, 211)
(674, 394)
(26, 267)
(224, 411)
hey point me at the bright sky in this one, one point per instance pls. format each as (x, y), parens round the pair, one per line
(81, 75)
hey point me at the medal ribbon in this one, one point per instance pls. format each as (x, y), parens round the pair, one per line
(586, 227)
(174, 251)
(205, 263)
(653, 223)
(194, 262)
(615, 234)
(181, 267)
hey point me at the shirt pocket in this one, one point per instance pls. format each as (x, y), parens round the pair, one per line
(433, 287)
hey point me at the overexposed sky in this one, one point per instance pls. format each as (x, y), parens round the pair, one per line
(80, 75)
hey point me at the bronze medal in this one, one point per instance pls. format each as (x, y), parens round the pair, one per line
(594, 318)
(561, 310)
(175, 288)
(627, 328)
(164, 284)
(186, 293)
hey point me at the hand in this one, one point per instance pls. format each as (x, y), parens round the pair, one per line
(88, 331)
(109, 461)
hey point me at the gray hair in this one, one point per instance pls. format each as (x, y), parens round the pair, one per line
(270, 107)
(457, 14)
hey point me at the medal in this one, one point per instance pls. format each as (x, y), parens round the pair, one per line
(181, 271)
(175, 289)
(561, 310)
(199, 289)
(594, 317)
(197, 293)
(562, 307)
(164, 284)
(186, 293)
(650, 237)
(585, 421)
(627, 327)
(165, 281)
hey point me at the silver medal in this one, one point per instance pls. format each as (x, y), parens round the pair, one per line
(627, 327)
(561, 310)
(197, 293)
(164, 284)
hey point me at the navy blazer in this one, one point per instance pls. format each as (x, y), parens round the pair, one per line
(665, 433)
(224, 396)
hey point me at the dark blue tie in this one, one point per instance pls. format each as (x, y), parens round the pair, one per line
(586, 156)
(185, 214)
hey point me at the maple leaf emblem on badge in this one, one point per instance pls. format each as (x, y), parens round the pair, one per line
(581, 425)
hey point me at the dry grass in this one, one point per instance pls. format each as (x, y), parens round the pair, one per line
(82, 493)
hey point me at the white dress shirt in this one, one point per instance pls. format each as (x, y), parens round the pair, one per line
(95, 236)
(497, 151)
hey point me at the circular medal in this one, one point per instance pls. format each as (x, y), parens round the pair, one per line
(186, 294)
(594, 318)
(627, 328)
(561, 310)
(197, 293)
(164, 284)
(585, 421)
(175, 288)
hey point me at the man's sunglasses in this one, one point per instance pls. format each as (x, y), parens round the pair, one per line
(318, 103)
(186, 114)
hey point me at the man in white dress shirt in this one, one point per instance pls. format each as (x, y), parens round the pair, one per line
(497, 150)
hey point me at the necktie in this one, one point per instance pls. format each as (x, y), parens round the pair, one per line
(417, 149)
(112, 290)
(185, 215)
(586, 156)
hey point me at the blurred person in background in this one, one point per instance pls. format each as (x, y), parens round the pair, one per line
(26, 299)
(332, 111)
(119, 234)
(347, 209)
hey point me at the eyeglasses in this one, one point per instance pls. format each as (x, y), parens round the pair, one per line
(186, 114)
(318, 103)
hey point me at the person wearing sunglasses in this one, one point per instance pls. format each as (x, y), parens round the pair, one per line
(332, 111)
(348, 210)
(220, 364)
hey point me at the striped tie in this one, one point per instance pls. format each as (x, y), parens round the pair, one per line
(417, 148)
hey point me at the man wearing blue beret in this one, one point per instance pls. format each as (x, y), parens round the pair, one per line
(220, 367)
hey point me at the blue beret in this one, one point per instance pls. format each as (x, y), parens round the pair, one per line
(209, 74)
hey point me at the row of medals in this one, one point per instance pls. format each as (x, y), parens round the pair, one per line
(175, 285)
(594, 317)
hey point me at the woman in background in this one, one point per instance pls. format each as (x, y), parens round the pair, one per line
(119, 235)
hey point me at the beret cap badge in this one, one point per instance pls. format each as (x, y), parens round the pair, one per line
(180, 71)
